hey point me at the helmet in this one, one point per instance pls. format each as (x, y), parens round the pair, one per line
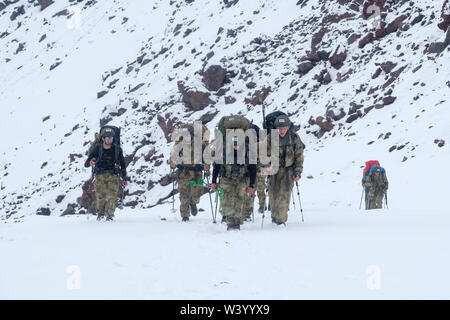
(282, 121)
(107, 132)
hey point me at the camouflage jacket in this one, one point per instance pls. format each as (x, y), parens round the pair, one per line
(380, 183)
(290, 152)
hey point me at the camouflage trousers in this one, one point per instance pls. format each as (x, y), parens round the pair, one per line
(279, 195)
(106, 188)
(188, 194)
(261, 192)
(375, 200)
(234, 196)
(366, 197)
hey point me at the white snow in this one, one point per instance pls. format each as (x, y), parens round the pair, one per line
(334, 254)
(338, 252)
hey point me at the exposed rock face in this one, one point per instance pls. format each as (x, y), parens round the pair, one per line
(45, 3)
(43, 212)
(214, 77)
(60, 198)
(325, 125)
(88, 197)
(167, 125)
(334, 115)
(445, 16)
(388, 100)
(338, 58)
(194, 100)
(304, 68)
(369, 38)
(439, 47)
(388, 66)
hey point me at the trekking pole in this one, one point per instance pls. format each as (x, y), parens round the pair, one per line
(173, 190)
(252, 199)
(217, 202)
(265, 207)
(210, 199)
(220, 199)
(299, 200)
(264, 213)
(360, 203)
(385, 199)
(293, 200)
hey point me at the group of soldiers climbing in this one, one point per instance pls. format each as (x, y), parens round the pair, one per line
(234, 175)
(243, 159)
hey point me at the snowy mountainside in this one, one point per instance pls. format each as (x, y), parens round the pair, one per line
(356, 93)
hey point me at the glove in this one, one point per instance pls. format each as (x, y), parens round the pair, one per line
(92, 162)
(214, 186)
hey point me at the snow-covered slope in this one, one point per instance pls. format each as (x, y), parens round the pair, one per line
(335, 254)
(356, 94)
(74, 65)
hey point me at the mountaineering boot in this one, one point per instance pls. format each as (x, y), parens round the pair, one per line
(109, 218)
(261, 209)
(100, 217)
(278, 222)
(247, 218)
(234, 227)
(224, 219)
(193, 208)
(185, 219)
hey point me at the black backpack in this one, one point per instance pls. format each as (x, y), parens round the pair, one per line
(256, 128)
(97, 143)
(269, 124)
(269, 121)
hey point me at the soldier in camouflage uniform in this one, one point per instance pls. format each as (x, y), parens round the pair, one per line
(190, 175)
(237, 178)
(238, 184)
(107, 172)
(378, 184)
(289, 171)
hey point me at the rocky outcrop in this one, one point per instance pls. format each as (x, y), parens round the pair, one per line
(214, 77)
(45, 3)
(304, 68)
(194, 100)
(338, 58)
(167, 125)
(445, 16)
(43, 212)
(88, 197)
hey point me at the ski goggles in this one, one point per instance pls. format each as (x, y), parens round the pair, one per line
(108, 138)
(194, 183)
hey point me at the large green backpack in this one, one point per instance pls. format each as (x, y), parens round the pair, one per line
(234, 122)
